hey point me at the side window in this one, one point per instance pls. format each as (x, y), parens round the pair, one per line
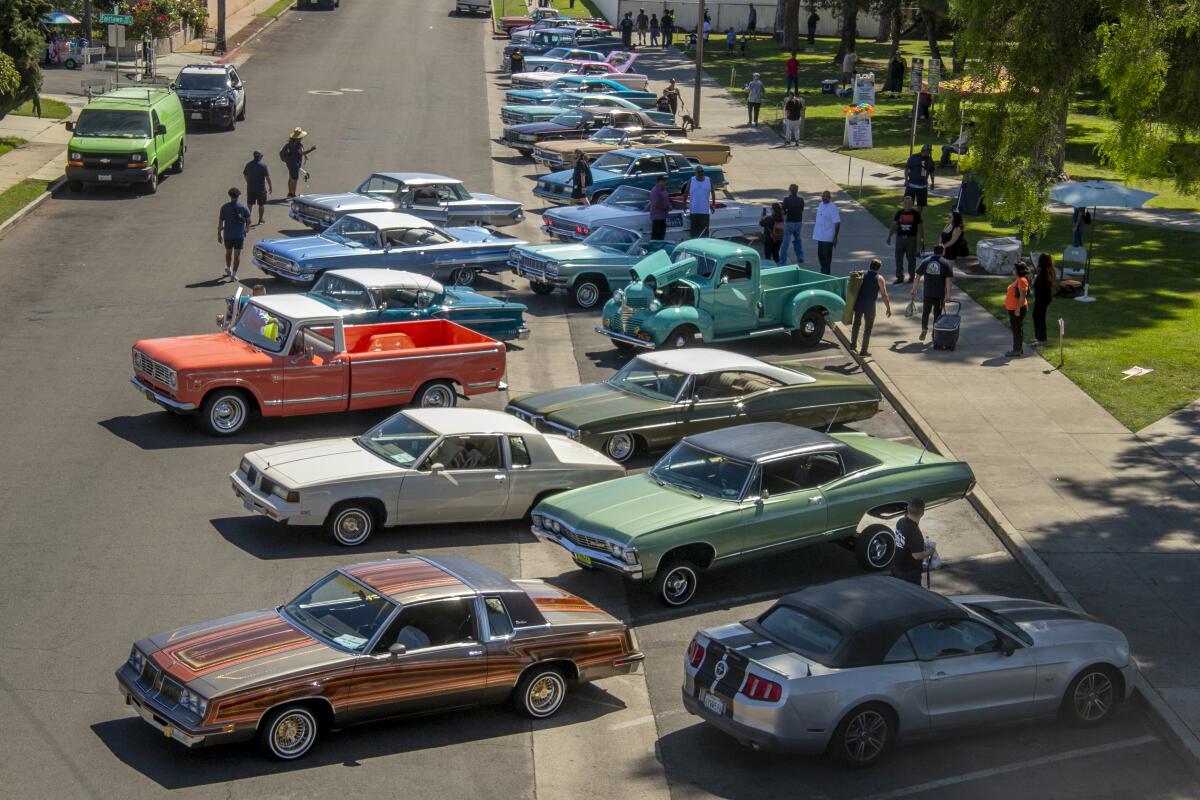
(519, 451)
(785, 475)
(731, 384)
(679, 162)
(425, 196)
(399, 298)
(902, 650)
(499, 623)
(308, 337)
(445, 193)
(436, 624)
(735, 272)
(648, 165)
(949, 638)
(154, 121)
(466, 452)
(822, 468)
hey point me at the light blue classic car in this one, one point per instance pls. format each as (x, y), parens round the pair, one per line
(519, 115)
(634, 166)
(580, 83)
(390, 240)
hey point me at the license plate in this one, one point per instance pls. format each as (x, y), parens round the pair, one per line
(197, 115)
(674, 220)
(587, 562)
(104, 177)
(713, 703)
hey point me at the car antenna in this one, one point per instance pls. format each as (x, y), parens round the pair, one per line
(832, 420)
(924, 448)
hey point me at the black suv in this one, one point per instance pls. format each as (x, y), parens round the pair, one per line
(212, 93)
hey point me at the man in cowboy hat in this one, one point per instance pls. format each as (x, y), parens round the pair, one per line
(293, 154)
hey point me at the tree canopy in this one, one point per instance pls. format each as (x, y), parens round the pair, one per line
(22, 39)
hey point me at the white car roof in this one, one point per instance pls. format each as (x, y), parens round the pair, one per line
(391, 219)
(451, 421)
(374, 278)
(699, 360)
(294, 306)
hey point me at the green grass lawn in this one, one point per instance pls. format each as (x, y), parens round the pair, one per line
(17, 197)
(276, 10)
(518, 8)
(9, 143)
(51, 109)
(892, 122)
(1147, 314)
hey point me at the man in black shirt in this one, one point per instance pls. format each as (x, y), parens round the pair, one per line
(911, 551)
(937, 275)
(909, 231)
(581, 179)
(793, 224)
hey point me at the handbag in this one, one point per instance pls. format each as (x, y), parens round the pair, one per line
(911, 308)
(777, 231)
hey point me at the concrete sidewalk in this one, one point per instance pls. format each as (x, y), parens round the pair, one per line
(1103, 517)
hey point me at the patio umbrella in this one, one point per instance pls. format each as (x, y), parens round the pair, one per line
(1096, 195)
(59, 18)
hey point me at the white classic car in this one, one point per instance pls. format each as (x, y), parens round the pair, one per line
(420, 466)
(628, 208)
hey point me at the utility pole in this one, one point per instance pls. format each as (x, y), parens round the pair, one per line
(87, 21)
(220, 48)
(699, 64)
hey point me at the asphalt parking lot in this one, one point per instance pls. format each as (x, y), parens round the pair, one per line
(117, 520)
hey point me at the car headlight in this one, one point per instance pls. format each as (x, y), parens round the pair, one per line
(221, 102)
(619, 295)
(76, 156)
(137, 661)
(655, 306)
(626, 554)
(244, 467)
(192, 702)
(285, 494)
(172, 379)
(514, 254)
(137, 157)
(554, 526)
(551, 269)
(539, 520)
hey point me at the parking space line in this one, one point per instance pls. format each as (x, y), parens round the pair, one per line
(620, 726)
(966, 777)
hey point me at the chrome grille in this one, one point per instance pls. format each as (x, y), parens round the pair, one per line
(274, 261)
(586, 540)
(268, 485)
(153, 369)
(251, 476)
(636, 302)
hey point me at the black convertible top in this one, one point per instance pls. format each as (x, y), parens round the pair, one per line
(871, 612)
(761, 440)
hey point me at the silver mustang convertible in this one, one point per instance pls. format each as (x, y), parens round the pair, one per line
(853, 666)
(420, 466)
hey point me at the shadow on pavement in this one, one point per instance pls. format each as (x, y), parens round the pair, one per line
(162, 430)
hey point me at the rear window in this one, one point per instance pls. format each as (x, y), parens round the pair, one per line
(801, 632)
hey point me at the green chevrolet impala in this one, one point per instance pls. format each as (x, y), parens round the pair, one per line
(746, 492)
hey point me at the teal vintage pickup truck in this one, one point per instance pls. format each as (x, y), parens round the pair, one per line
(716, 291)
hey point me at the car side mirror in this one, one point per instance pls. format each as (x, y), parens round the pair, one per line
(765, 495)
(397, 650)
(220, 320)
(724, 279)
(437, 468)
(1007, 647)
(70, 125)
(160, 130)
(308, 351)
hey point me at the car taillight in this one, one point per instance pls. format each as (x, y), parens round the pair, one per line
(581, 230)
(757, 688)
(546, 221)
(695, 654)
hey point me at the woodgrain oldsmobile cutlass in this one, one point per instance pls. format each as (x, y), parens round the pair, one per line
(658, 398)
(751, 491)
(427, 465)
(289, 355)
(385, 639)
(852, 667)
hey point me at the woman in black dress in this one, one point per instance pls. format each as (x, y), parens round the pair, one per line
(953, 237)
(1043, 292)
(772, 232)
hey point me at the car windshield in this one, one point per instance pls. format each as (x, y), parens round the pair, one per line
(613, 162)
(340, 610)
(379, 186)
(609, 135)
(569, 119)
(201, 81)
(1001, 621)
(705, 265)
(615, 238)
(340, 292)
(398, 439)
(645, 379)
(628, 197)
(353, 233)
(569, 102)
(702, 473)
(564, 68)
(801, 632)
(557, 52)
(112, 123)
(259, 327)
(565, 84)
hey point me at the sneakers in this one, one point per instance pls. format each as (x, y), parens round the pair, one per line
(1014, 354)
(924, 333)
(898, 281)
(863, 354)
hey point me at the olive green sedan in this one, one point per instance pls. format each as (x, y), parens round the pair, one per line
(662, 396)
(746, 492)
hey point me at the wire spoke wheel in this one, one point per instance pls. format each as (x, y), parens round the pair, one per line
(291, 733)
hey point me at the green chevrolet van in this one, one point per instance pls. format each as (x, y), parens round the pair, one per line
(127, 136)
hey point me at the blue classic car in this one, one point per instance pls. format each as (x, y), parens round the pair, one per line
(579, 83)
(389, 240)
(519, 115)
(635, 166)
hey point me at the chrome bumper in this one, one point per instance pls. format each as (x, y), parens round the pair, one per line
(593, 558)
(559, 233)
(258, 503)
(155, 396)
(624, 337)
(161, 721)
(295, 277)
(522, 333)
(312, 222)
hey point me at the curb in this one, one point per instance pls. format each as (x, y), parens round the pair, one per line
(32, 205)
(1164, 718)
(232, 54)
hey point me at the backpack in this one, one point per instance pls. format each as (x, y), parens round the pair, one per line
(283, 151)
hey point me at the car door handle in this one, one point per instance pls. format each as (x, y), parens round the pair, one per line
(815, 500)
(937, 676)
(474, 652)
(498, 476)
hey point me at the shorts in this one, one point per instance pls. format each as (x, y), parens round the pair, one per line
(294, 171)
(256, 197)
(920, 196)
(234, 244)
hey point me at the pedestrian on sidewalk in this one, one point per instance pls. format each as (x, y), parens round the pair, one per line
(772, 225)
(258, 183)
(909, 230)
(849, 62)
(793, 73)
(672, 93)
(668, 29)
(654, 28)
(873, 287)
(231, 231)
(752, 22)
(626, 26)
(1044, 284)
(793, 119)
(937, 275)
(660, 207)
(516, 62)
(581, 179)
(754, 95)
(813, 19)
(643, 24)
(918, 176)
(911, 551)
(1016, 300)
(793, 224)
(293, 154)
(700, 195)
(826, 226)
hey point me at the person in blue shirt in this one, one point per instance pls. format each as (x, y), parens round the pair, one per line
(258, 183)
(918, 176)
(231, 231)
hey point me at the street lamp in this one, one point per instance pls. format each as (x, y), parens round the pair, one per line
(699, 65)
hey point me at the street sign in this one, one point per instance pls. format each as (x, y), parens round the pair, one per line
(914, 75)
(935, 74)
(116, 35)
(116, 19)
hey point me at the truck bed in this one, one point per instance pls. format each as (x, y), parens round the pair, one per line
(780, 284)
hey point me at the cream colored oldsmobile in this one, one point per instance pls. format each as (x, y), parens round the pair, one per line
(420, 466)
(561, 154)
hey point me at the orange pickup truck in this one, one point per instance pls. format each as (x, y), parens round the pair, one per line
(288, 355)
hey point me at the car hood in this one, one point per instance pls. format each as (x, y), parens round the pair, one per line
(573, 253)
(105, 145)
(463, 297)
(231, 653)
(590, 404)
(346, 202)
(538, 127)
(308, 464)
(1048, 624)
(305, 247)
(626, 508)
(598, 175)
(204, 351)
